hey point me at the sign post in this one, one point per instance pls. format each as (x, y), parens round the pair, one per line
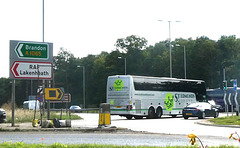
(29, 61)
(13, 103)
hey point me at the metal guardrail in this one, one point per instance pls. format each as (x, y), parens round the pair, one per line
(76, 111)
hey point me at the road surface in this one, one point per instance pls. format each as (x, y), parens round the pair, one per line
(153, 132)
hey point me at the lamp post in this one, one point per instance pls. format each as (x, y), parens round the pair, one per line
(43, 20)
(125, 64)
(185, 60)
(83, 85)
(170, 47)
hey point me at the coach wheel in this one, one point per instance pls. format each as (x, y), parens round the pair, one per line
(138, 117)
(129, 117)
(159, 112)
(151, 113)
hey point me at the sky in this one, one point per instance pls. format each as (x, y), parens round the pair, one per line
(86, 27)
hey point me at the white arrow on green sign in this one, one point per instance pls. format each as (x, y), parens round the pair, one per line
(32, 50)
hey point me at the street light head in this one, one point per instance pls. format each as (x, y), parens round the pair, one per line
(80, 66)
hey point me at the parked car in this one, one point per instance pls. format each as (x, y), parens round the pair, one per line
(200, 110)
(75, 108)
(2, 115)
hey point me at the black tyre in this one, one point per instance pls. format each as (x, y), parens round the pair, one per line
(202, 116)
(129, 117)
(216, 115)
(159, 112)
(151, 113)
(138, 117)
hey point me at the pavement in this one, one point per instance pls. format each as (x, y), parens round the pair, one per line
(75, 126)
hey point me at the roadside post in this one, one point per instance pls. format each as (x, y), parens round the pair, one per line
(225, 102)
(224, 87)
(230, 102)
(235, 97)
(104, 115)
(237, 105)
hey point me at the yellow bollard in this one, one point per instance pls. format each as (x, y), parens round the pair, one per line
(35, 122)
(104, 115)
(107, 119)
(101, 119)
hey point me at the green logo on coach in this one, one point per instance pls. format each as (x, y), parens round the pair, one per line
(169, 102)
(118, 85)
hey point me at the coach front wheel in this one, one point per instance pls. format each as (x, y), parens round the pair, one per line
(159, 112)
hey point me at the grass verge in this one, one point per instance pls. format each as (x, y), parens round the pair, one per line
(59, 145)
(25, 115)
(228, 120)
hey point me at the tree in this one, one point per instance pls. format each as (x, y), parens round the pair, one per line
(5, 90)
(203, 60)
(133, 46)
(229, 52)
(155, 60)
(131, 43)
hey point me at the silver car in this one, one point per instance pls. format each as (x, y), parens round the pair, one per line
(75, 108)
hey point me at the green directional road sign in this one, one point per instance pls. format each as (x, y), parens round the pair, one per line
(32, 50)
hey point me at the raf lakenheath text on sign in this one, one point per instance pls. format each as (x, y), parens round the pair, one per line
(31, 60)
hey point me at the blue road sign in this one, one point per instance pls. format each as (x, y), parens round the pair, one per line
(235, 85)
